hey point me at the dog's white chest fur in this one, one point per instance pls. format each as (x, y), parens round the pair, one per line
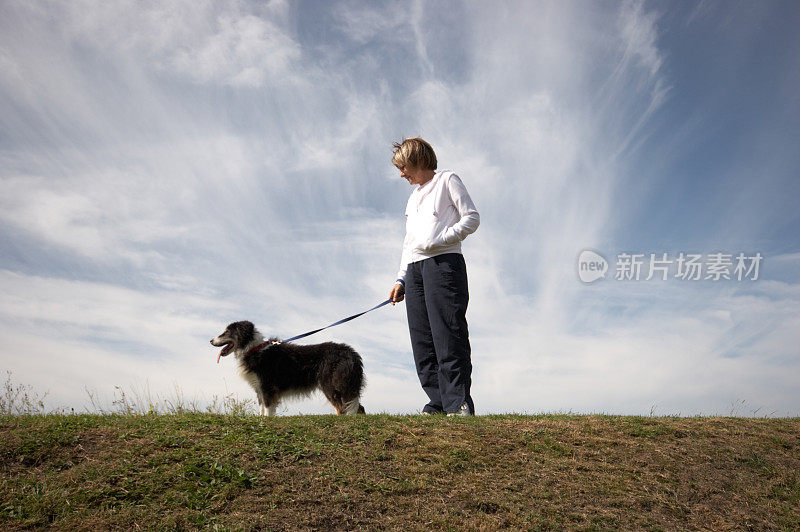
(252, 379)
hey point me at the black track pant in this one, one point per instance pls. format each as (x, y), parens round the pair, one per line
(436, 303)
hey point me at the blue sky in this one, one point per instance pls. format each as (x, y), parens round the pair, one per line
(169, 167)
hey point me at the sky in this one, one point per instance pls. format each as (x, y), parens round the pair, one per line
(167, 168)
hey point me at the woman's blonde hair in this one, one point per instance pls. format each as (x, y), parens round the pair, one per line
(414, 153)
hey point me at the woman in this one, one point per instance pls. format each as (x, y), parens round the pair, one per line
(433, 277)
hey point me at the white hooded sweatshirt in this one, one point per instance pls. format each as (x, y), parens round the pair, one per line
(439, 215)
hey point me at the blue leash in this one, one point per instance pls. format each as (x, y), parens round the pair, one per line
(354, 316)
(293, 338)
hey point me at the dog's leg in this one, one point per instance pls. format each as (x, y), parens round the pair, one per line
(262, 407)
(352, 407)
(269, 403)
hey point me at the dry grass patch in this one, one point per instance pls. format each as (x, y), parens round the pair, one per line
(375, 472)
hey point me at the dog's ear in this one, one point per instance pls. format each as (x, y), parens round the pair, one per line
(242, 332)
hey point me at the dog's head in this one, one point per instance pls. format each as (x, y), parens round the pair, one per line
(236, 337)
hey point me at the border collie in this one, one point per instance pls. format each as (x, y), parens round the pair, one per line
(277, 371)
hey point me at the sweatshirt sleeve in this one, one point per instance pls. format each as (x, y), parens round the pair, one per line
(404, 260)
(468, 214)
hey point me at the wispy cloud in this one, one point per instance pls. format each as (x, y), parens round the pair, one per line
(239, 44)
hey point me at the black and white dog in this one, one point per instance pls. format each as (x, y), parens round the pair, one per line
(277, 371)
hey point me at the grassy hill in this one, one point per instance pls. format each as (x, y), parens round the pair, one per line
(380, 471)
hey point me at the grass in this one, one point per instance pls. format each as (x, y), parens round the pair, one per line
(205, 470)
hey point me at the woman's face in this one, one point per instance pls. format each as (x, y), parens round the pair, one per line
(415, 176)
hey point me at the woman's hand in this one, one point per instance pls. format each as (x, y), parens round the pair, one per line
(398, 293)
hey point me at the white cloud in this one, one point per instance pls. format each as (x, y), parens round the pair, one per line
(639, 34)
(126, 201)
(363, 21)
(236, 43)
(658, 350)
(245, 51)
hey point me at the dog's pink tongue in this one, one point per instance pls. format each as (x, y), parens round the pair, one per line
(219, 356)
